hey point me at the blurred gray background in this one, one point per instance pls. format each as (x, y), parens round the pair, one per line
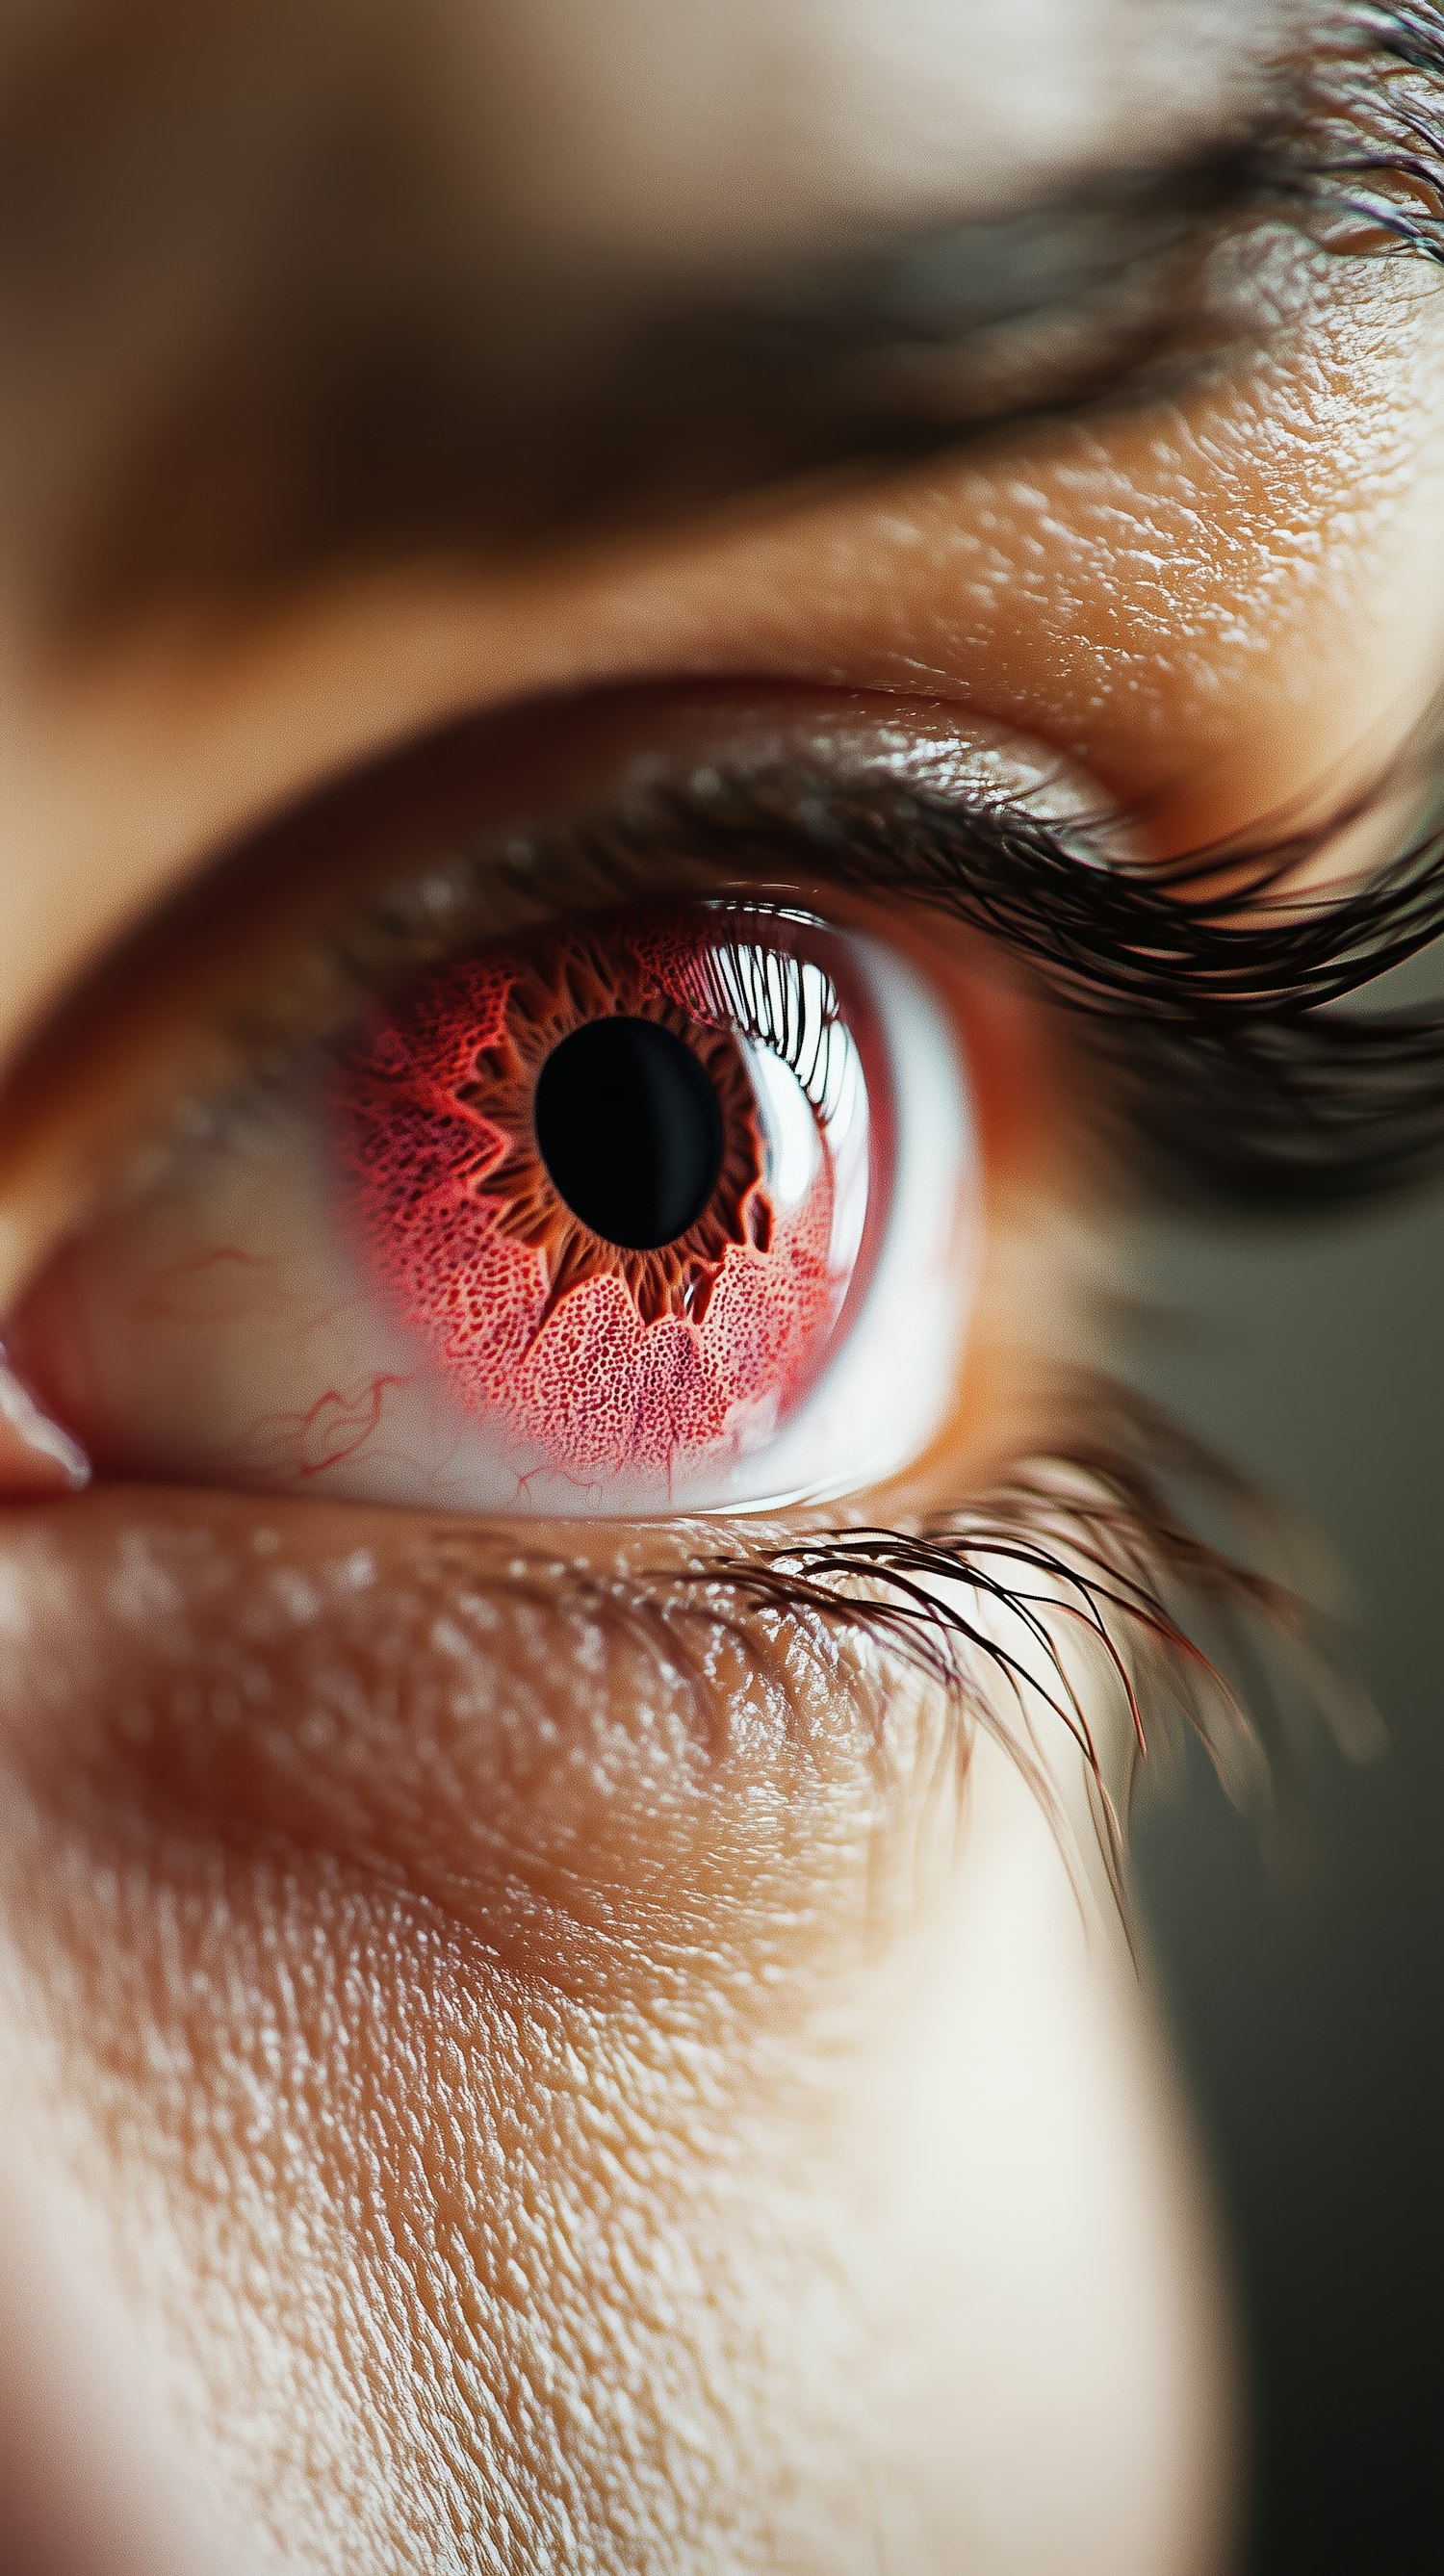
(1308, 1990)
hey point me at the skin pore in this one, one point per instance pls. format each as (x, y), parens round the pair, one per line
(501, 2121)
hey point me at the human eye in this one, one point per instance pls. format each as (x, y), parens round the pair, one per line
(342, 1228)
(649, 1206)
(569, 1714)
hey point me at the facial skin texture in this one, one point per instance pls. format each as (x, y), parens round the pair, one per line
(758, 123)
(519, 2108)
(622, 2214)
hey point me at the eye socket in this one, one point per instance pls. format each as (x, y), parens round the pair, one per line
(645, 1213)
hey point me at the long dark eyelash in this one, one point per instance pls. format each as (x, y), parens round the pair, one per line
(1077, 1558)
(1258, 1091)
(1207, 989)
(1388, 173)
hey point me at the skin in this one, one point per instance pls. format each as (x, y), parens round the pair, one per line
(755, 126)
(500, 2124)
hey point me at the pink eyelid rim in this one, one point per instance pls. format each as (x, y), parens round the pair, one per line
(38, 1460)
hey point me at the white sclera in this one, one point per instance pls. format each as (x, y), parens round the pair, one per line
(887, 1393)
(229, 1334)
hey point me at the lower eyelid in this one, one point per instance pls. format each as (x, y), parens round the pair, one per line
(543, 1762)
(544, 1753)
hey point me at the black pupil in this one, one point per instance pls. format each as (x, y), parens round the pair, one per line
(630, 1129)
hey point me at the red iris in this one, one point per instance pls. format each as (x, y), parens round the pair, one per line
(597, 1358)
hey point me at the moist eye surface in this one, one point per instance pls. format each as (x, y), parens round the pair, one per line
(616, 1186)
(649, 1211)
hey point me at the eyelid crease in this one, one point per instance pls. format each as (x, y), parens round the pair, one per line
(1203, 990)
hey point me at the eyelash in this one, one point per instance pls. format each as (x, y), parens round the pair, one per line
(1206, 991)
(1390, 142)
(1199, 986)
(1075, 1553)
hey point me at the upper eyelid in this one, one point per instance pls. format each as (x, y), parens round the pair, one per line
(360, 919)
(106, 1085)
(208, 813)
(1173, 969)
(1207, 988)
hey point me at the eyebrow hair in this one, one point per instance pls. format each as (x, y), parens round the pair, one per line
(237, 367)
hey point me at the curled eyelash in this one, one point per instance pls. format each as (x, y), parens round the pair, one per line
(1076, 1565)
(1380, 163)
(1207, 990)
(1075, 1562)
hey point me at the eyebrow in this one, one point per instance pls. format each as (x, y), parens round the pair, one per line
(529, 411)
(299, 396)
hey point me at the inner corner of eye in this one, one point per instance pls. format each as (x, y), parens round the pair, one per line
(634, 1215)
